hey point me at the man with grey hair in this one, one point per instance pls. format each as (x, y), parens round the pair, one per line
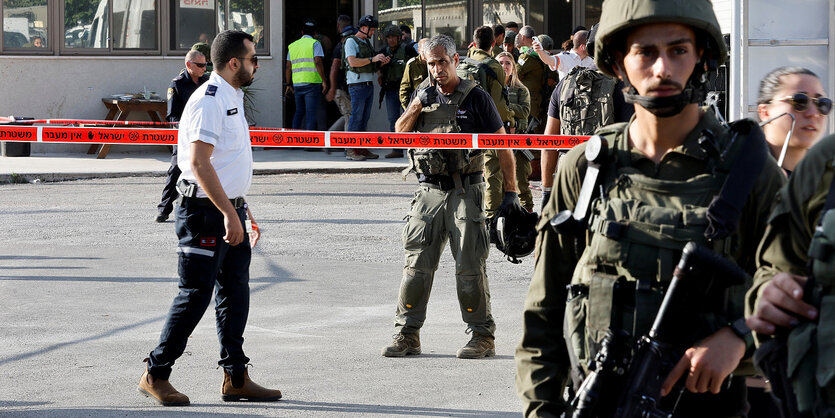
(448, 204)
(180, 89)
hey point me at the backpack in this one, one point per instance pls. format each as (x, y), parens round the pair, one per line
(478, 71)
(586, 102)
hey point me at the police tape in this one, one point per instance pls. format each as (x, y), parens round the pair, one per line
(291, 138)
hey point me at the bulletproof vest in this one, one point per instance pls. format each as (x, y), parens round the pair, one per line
(395, 68)
(586, 102)
(811, 345)
(514, 97)
(365, 51)
(636, 231)
(440, 117)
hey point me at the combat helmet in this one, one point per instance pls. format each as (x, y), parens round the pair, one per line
(392, 30)
(622, 15)
(514, 233)
(369, 21)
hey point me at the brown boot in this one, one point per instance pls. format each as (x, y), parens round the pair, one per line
(160, 390)
(397, 153)
(403, 345)
(479, 346)
(247, 391)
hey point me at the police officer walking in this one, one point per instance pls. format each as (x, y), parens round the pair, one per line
(448, 204)
(179, 91)
(214, 249)
(658, 176)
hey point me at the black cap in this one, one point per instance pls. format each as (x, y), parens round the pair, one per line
(577, 29)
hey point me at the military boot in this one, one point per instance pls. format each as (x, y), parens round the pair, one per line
(478, 347)
(160, 390)
(403, 345)
(241, 388)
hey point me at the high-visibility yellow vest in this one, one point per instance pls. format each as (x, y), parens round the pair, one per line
(301, 61)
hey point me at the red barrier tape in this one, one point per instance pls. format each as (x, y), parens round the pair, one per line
(273, 137)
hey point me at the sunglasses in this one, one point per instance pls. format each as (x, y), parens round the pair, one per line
(800, 102)
(199, 64)
(253, 58)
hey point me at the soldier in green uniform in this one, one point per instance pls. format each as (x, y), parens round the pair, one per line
(448, 204)
(498, 35)
(657, 183)
(414, 74)
(532, 74)
(510, 43)
(802, 228)
(390, 76)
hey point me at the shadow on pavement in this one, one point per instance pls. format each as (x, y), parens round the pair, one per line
(327, 407)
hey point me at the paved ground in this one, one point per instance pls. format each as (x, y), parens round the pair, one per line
(86, 277)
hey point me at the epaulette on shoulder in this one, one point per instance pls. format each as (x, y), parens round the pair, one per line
(211, 89)
(178, 77)
(410, 60)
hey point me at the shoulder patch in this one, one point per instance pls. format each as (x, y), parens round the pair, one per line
(211, 90)
(231, 112)
(170, 93)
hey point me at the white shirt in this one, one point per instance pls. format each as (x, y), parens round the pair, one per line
(569, 60)
(214, 114)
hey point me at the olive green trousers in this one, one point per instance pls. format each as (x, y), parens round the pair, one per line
(495, 181)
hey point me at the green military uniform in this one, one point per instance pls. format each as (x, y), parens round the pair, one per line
(636, 232)
(414, 74)
(440, 213)
(519, 103)
(786, 248)
(497, 49)
(495, 86)
(532, 74)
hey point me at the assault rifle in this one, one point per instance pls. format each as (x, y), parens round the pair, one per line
(626, 383)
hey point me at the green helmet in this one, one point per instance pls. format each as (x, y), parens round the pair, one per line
(546, 42)
(204, 49)
(620, 15)
(510, 36)
(392, 30)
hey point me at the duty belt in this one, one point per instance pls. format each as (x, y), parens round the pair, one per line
(237, 202)
(446, 183)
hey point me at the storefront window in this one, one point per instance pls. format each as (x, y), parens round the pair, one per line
(135, 24)
(193, 21)
(86, 24)
(503, 11)
(25, 24)
(448, 17)
(401, 12)
(248, 16)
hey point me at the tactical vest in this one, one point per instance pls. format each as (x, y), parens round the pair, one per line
(811, 345)
(364, 51)
(441, 118)
(637, 231)
(477, 71)
(586, 102)
(302, 61)
(395, 68)
(514, 96)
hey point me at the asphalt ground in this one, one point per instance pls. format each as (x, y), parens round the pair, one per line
(86, 279)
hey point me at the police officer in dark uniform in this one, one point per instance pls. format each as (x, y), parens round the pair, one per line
(178, 93)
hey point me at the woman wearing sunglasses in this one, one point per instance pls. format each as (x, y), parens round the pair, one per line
(797, 92)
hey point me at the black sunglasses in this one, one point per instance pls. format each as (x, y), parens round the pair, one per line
(199, 64)
(253, 58)
(800, 102)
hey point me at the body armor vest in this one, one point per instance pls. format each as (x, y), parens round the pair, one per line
(440, 117)
(514, 96)
(637, 229)
(364, 51)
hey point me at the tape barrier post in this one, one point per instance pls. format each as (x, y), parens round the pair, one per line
(267, 137)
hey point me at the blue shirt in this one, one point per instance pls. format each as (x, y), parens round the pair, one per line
(351, 50)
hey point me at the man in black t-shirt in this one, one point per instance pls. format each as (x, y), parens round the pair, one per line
(448, 204)
(338, 92)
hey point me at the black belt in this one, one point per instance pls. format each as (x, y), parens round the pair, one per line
(361, 83)
(446, 183)
(237, 202)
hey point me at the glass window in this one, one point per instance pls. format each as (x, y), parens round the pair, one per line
(25, 24)
(193, 21)
(402, 12)
(592, 12)
(503, 11)
(248, 16)
(134, 24)
(448, 17)
(86, 24)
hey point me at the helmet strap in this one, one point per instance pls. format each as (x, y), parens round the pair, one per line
(666, 107)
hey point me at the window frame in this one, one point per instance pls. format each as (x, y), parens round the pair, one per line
(226, 23)
(49, 38)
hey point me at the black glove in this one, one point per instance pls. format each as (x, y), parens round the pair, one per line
(428, 95)
(510, 205)
(546, 196)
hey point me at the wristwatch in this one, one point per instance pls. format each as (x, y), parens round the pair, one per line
(742, 331)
